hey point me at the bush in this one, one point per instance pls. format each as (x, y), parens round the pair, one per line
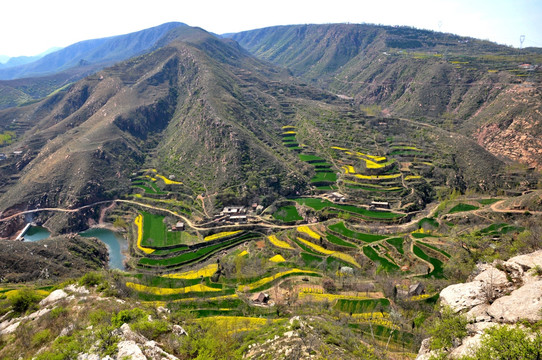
(150, 329)
(24, 299)
(445, 330)
(128, 316)
(506, 343)
(91, 279)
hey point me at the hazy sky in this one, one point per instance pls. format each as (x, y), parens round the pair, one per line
(28, 27)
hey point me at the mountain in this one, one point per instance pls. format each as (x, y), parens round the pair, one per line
(472, 86)
(3, 59)
(99, 52)
(21, 60)
(203, 110)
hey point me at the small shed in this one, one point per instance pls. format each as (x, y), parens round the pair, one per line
(416, 289)
(261, 298)
(380, 204)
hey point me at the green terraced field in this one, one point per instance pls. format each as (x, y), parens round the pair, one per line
(462, 207)
(397, 243)
(438, 271)
(287, 214)
(386, 264)
(362, 306)
(343, 230)
(335, 240)
(196, 255)
(319, 204)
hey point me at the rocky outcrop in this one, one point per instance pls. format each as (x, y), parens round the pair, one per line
(501, 293)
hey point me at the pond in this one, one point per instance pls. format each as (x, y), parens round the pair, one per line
(36, 233)
(115, 243)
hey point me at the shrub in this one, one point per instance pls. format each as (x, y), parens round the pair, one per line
(448, 328)
(23, 300)
(128, 316)
(91, 279)
(150, 329)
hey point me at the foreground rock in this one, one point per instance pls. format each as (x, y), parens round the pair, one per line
(501, 293)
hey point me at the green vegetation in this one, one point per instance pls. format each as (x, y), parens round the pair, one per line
(156, 234)
(462, 207)
(386, 264)
(437, 264)
(449, 327)
(287, 214)
(319, 204)
(397, 243)
(488, 201)
(362, 306)
(336, 240)
(343, 230)
(6, 137)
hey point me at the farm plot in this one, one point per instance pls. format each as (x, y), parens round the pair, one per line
(156, 235)
(266, 282)
(319, 204)
(386, 264)
(462, 207)
(338, 254)
(438, 271)
(194, 255)
(287, 214)
(341, 229)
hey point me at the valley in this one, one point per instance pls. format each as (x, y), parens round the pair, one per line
(304, 223)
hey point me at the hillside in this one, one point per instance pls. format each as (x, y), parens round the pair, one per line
(266, 215)
(463, 84)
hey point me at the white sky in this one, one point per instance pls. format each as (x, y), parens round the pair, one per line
(29, 27)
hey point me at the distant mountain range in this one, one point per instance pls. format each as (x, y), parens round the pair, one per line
(102, 52)
(8, 62)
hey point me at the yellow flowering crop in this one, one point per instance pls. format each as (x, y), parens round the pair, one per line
(330, 297)
(279, 243)
(277, 258)
(242, 253)
(410, 177)
(420, 297)
(139, 223)
(339, 255)
(220, 235)
(349, 169)
(291, 132)
(168, 181)
(206, 271)
(377, 177)
(305, 229)
(170, 291)
(288, 127)
(269, 279)
(234, 324)
(339, 148)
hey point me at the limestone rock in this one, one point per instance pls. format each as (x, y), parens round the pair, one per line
(493, 277)
(128, 349)
(463, 296)
(53, 297)
(479, 313)
(523, 303)
(469, 344)
(425, 352)
(528, 261)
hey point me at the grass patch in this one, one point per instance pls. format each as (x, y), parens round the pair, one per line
(287, 214)
(462, 207)
(428, 221)
(488, 201)
(436, 249)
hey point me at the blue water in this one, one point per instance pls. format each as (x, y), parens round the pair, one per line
(115, 243)
(36, 233)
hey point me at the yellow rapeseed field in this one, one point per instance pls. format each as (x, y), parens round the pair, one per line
(277, 258)
(279, 243)
(307, 230)
(170, 291)
(339, 255)
(269, 279)
(168, 181)
(220, 235)
(139, 223)
(206, 271)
